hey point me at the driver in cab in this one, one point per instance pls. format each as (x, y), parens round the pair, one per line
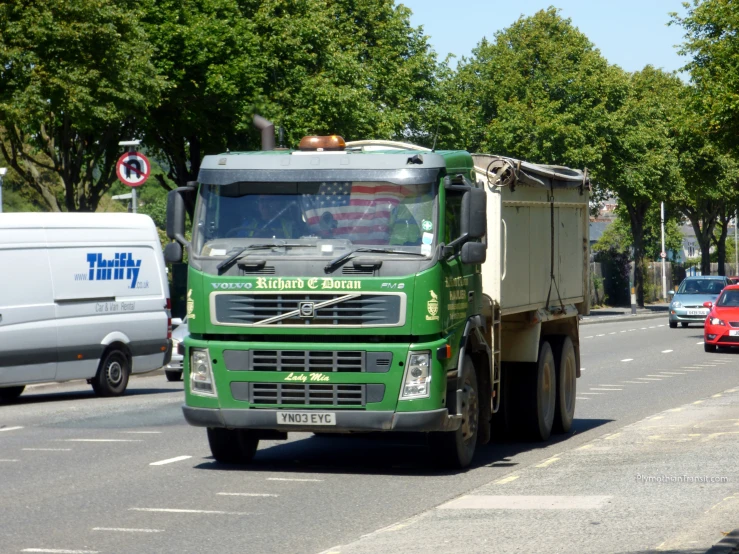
(276, 217)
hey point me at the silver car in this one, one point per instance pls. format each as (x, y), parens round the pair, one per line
(173, 370)
(686, 305)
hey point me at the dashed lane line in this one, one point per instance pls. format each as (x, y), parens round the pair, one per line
(183, 511)
(170, 460)
(672, 373)
(547, 463)
(636, 382)
(8, 461)
(10, 428)
(668, 376)
(647, 379)
(60, 551)
(613, 436)
(628, 360)
(666, 351)
(102, 440)
(290, 479)
(590, 337)
(701, 342)
(576, 398)
(254, 494)
(127, 530)
(142, 432)
(606, 389)
(47, 449)
(506, 480)
(591, 393)
(603, 335)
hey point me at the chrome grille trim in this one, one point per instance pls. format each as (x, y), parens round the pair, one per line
(360, 310)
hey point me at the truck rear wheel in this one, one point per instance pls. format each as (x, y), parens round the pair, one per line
(111, 378)
(455, 449)
(566, 385)
(541, 395)
(11, 393)
(232, 446)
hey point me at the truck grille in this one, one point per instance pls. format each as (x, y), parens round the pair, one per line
(308, 309)
(308, 394)
(314, 361)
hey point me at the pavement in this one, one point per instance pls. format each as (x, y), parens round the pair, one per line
(603, 315)
(128, 475)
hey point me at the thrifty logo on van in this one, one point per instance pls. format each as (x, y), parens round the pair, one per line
(121, 267)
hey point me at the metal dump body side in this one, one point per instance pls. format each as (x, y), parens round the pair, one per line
(536, 215)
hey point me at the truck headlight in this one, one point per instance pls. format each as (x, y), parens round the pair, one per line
(201, 375)
(417, 379)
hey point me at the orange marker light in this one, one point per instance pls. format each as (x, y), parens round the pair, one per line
(332, 143)
(448, 351)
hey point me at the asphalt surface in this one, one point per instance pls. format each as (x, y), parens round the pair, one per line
(77, 473)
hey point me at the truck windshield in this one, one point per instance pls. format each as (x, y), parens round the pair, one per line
(349, 213)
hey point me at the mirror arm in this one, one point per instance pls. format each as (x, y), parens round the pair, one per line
(450, 250)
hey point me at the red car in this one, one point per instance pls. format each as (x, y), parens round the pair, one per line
(722, 323)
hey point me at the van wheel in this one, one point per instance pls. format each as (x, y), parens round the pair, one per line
(112, 376)
(566, 364)
(173, 375)
(455, 449)
(232, 446)
(11, 393)
(540, 396)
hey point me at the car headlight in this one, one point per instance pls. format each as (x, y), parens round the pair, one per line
(677, 305)
(716, 321)
(417, 379)
(201, 374)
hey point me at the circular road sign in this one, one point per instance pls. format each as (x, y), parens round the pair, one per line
(133, 169)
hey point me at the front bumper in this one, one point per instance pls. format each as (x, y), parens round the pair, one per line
(348, 420)
(175, 363)
(681, 315)
(718, 335)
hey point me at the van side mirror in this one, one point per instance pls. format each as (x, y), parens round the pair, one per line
(473, 253)
(179, 203)
(173, 253)
(474, 214)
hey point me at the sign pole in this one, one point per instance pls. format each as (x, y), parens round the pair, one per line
(664, 252)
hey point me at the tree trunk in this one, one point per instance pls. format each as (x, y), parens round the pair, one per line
(637, 212)
(703, 233)
(721, 245)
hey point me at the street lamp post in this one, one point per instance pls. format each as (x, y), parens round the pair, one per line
(663, 253)
(3, 171)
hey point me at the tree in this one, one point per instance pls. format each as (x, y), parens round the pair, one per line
(642, 161)
(74, 77)
(541, 92)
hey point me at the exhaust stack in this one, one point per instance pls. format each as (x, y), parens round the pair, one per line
(268, 132)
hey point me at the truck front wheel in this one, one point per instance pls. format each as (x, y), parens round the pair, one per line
(456, 449)
(232, 446)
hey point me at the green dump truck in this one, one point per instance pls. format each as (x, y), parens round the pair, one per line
(377, 286)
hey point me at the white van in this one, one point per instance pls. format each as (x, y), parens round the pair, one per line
(82, 296)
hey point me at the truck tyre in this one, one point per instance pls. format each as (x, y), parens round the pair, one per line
(566, 364)
(11, 393)
(455, 449)
(173, 376)
(111, 378)
(232, 446)
(541, 395)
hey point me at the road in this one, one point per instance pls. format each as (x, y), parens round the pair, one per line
(86, 474)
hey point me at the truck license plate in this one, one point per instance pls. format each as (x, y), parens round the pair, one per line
(697, 312)
(306, 418)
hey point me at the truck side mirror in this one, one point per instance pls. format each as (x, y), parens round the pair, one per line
(473, 253)
(474, 214)
(173, 253)
(178, 201)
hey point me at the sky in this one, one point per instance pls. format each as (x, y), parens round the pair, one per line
(628, 33)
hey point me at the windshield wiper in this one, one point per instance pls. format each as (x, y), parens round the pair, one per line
(225, 264)
(333, 264)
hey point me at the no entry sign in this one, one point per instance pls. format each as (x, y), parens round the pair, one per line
(133, 169)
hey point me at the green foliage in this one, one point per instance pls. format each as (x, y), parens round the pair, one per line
(541, 92)
(75, 75)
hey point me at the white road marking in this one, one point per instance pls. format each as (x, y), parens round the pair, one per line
(581, 398)
(632, 329)
(548, 462)
(288, 479)
(706, 365)
(48, 449)
(647, 379)
(610, 385)
(590, 337)
(102, 440)
(653, 327)
(127, 530)
(606, 389)
(8, 460)
(668, 376)
(582, 369)
(170, 460)
(612, 333)
(666, 351)
(660, 325)
(591, 393)
(603, 335)
(181, 511)
(507, 479)
(611, 437)
(701, 342)
(60, 551)
(643, 328)
(623, 331)
(673, 373)
(10, 428)
(505, 502)
(142, 432)
(628, 360)
(698, 370)
(247, 494)
(717, 396)
(698, 402)
(635, 382)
